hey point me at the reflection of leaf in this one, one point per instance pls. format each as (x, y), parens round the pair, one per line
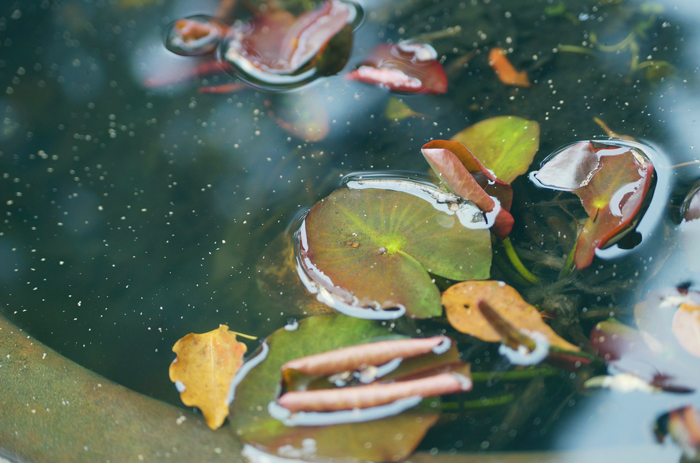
(614, 181)
(203, 370)
(683, 425)
(686, 327)
(461, 305)
(505, 71)
(379, 245)
(506, 145)
(455, 165)
(404, 67)
(367, 441)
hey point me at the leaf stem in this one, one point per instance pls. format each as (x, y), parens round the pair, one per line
(568, 265)
(485, 402)
(515, 260)
(514, 375)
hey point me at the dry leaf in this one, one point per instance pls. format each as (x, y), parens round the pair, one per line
(203, 371)
(505, 71)
(461, 305)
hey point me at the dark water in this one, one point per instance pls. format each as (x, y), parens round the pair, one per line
(133, 215)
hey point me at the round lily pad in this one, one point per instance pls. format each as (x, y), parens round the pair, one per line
(376, 248)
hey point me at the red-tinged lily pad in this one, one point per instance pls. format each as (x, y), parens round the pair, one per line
(614, 179)
(279, 50)
(357, 436)
(505, 145)
(459, 170)
(375, 242)
(406, 67)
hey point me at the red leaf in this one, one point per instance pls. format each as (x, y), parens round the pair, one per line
(459, 170)
(404, 67)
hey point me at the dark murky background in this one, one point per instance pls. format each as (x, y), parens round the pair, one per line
(133, 216)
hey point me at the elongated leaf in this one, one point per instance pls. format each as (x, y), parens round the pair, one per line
(505, 145)
(461, 305)
(203, 370)
(374, 248)
(454, 164)
(351, 442)
(404, 68)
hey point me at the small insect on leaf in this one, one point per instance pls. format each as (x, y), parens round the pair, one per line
(203, 371)
(505, 71)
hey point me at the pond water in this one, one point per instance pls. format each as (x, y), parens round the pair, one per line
(135, 208)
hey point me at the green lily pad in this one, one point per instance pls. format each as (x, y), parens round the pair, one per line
(506, 145)
(372, 247)
(389, 439)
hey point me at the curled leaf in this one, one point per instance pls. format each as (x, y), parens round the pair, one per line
(203, 371)
(406, 67)
(461, 303)
(458, 170)
(351, 358)
(194, 35)
(505, 71)
(360, 397)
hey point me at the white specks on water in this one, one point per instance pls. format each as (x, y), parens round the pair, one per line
(181, 419)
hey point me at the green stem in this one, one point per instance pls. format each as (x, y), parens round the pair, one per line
(515, 260)
(486, 402)
(568, 265)
(514, 375)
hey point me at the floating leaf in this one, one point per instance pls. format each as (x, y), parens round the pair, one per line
(683, 425)
(505, 145)
(505, 71)
(203, 371)
(373, 440)
(194, 35)
(302, 114)
(406, 67)
(457, 168)
(278, 50)
(461, 303)
(612, 189)
(373, 247)
(396, 109)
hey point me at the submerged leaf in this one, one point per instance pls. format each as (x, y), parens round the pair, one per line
(396, 109)
(406, 67)
(505, 145)
(461, 303)
(363, 438)
(459, 169)
(613, 183)
(505, 71)
(302, 114)
(373, 247)
(203, 371)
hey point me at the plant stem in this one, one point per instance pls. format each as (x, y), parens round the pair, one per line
(568, 265)
(528, 373)
(515, 260)
(486, 402)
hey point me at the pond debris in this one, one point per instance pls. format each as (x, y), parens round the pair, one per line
(505, 71)
(203, 370)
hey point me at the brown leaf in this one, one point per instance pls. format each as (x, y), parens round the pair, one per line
(349, 398)
(352, 358)
(203, 371)
(461, 305)
(505, 71)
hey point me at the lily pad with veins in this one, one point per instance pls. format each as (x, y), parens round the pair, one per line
(377, 248)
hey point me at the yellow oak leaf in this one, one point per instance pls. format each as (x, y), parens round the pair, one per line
(203, 371)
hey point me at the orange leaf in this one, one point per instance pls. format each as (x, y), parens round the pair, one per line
(505, 71)
(686, 327)
(461, 305)
(203, 371)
